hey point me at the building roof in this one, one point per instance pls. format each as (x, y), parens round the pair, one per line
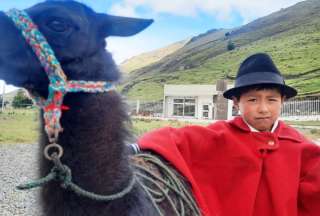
(190, 90)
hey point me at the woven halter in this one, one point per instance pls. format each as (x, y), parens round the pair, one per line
(59, 86)
(58, 83)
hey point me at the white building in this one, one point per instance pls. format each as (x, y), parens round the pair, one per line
(193, 101)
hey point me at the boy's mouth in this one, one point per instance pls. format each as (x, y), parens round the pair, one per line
(263, 118)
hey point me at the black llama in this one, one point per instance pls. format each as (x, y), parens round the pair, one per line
(95, 128)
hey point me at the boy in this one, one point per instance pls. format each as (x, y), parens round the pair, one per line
(253, 165)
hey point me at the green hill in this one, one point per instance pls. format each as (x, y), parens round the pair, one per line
(148, 58)
(291, 36)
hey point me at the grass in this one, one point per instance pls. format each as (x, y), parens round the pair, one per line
(150, 57)
(291, 37)
(21, 126)
(295, 54)
(304, 123)
(155, 91)
(312, 134)
(18, 126)
(141, 126)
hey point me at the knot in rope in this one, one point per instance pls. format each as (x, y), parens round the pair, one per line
(62, 173)
(59, 172)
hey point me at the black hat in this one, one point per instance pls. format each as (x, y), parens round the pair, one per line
(256, 70)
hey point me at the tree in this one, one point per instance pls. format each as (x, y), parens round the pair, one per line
(21, 100)
(5, 102)
(230, 45)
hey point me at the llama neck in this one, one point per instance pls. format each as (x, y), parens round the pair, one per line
(94, 139)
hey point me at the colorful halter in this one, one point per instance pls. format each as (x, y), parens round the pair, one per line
(58, 87)
(58, 84)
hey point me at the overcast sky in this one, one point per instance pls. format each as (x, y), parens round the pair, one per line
(175, 20)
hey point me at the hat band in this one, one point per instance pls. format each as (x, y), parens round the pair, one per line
(259, 77)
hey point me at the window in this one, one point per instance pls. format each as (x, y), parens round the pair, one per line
(205, 114)
(178, 109)
(184, 107)
(178, 101)
(189, 110)
(205, 111)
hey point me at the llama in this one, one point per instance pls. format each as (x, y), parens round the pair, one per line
(95, 128)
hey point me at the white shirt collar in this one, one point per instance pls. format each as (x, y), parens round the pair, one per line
(252, 129)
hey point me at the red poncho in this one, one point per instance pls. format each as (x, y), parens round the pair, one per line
(234, 171)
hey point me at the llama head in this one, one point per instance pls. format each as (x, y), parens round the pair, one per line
(75, 32)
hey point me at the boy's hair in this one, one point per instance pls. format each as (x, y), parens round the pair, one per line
(258, 87)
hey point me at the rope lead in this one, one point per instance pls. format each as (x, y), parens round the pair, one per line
(62, 173)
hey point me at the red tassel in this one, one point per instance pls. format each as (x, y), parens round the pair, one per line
(63, 107)
(50, 107)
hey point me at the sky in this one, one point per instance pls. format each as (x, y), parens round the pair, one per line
(174, 20)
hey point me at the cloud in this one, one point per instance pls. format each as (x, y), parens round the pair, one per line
(222, 10)
(124, 48)
(123, 10)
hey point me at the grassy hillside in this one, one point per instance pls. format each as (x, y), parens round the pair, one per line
(145, 59)
(291, 36)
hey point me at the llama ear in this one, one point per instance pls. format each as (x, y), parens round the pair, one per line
(122, 26)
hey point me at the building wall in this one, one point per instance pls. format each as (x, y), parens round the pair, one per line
(206, 100)
(199, 102)
(168, 107)
(203, 95)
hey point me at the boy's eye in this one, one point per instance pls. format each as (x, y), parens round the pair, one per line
(252, 99)
(273, 99)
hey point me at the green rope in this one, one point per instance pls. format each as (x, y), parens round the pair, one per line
(181, 189)
(153, 201)
(148, 180)
(51, 176)
(145, 177)
(158, 193)
(62, 173)
(98, 197)
(178, 187)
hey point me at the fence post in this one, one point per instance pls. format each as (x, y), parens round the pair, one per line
(137, 107)
(3, 92)
(221, 103)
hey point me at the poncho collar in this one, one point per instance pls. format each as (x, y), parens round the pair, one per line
(282, 131)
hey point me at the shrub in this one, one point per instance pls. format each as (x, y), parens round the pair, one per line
(230, 45)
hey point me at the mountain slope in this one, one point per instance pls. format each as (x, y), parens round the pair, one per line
(148, 58)
(291, 36)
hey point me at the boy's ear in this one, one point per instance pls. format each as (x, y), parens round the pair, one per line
(235, 102)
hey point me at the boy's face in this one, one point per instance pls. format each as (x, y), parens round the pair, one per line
(260, 108)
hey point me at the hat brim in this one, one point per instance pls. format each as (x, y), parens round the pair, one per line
(287, 91)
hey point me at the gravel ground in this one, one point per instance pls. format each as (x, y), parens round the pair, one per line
(18, 164)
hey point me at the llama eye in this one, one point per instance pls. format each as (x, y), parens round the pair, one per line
(57, 25)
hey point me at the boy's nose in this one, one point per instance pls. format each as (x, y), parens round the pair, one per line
(263, 108)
